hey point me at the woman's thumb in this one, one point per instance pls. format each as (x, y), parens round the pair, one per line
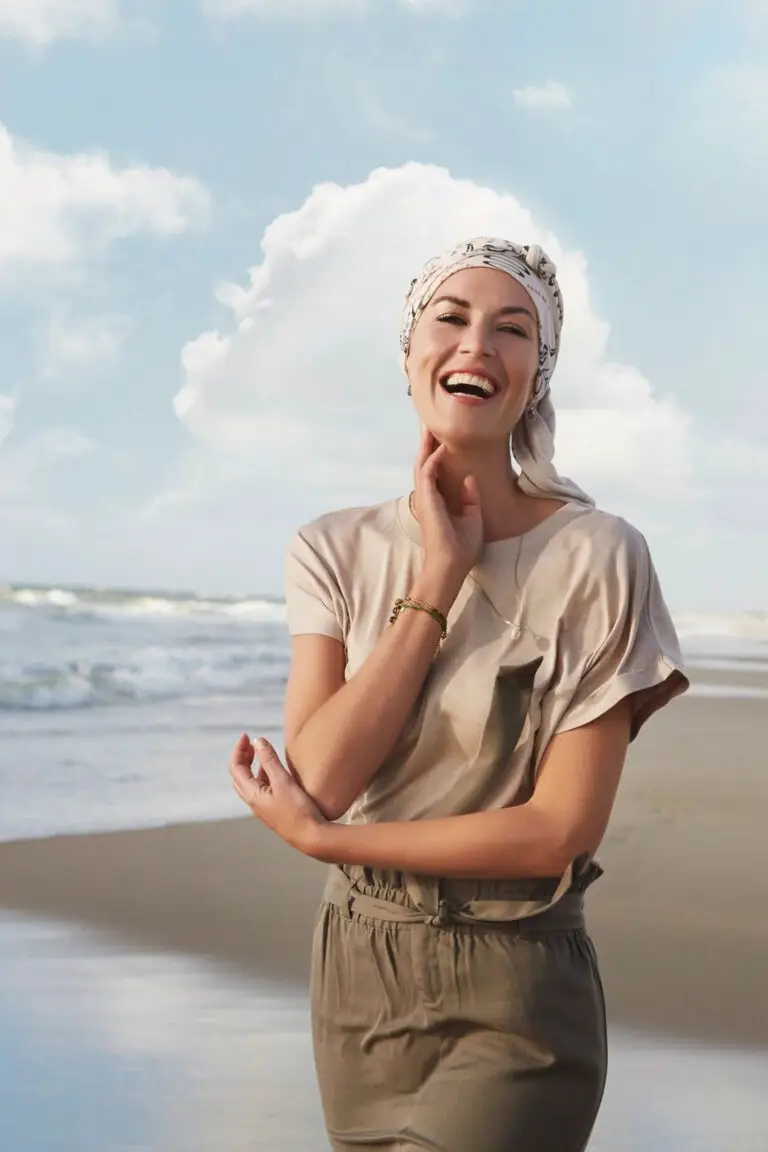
(266, 756)
(265, 752)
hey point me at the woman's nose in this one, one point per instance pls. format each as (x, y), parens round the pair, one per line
(477, 340)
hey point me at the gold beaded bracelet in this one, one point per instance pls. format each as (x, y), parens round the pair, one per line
(409, 602)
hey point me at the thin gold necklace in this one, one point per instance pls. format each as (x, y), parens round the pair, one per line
(410, 505)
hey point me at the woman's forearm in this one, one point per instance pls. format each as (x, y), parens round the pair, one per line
(342, 746)
(507, 842)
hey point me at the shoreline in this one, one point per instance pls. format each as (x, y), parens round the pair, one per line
(677, 918)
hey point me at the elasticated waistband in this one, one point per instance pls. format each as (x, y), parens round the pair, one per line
(430, 901)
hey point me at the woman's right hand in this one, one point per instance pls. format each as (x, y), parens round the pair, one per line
(451, 542)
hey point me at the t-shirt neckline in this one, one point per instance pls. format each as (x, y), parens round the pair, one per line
(541, 531)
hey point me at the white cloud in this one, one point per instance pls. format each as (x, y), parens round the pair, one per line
(81, 345)
(319, 9)
(39, 22)
(57, 209)
(548, 96)
(307, 389)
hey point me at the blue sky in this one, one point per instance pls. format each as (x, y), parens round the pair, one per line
(209, 213)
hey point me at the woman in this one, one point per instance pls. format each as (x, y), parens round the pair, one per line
(474, 735)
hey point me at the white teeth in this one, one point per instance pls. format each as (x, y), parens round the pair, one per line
(457, 378)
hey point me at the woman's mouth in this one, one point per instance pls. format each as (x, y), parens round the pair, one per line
(469, 387)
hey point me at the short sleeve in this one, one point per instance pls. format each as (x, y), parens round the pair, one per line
(620, 641)
(313, 599)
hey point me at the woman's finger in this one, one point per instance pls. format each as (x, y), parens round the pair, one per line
(266, 754)
(432, 463)
(429, 492)
(242, 777)
(254, 792)
(239, 767)
(272, 773)
(428, 443)
(427, 479)
(470, 496)
(243, 750)
(239, 790)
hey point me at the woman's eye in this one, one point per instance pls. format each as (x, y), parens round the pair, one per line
(455, 318)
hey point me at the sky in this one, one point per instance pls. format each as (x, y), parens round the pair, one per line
(210, 211)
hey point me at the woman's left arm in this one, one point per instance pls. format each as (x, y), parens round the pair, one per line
(566, 816)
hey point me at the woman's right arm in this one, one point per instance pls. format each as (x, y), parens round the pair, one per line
(337, 733)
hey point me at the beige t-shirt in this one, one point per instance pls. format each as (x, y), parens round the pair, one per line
(549, 631)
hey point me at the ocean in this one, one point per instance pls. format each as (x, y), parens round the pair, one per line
(119, 709)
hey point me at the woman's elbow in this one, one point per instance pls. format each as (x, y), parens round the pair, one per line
(580, 841)
(561, 842)
(318, 785)
(332, 807)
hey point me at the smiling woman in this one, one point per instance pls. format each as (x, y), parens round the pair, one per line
(474, 737)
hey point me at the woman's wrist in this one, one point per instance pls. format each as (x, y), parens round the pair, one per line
(322, 842)
(438, 588)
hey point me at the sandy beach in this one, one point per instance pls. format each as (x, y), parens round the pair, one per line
(679, 918)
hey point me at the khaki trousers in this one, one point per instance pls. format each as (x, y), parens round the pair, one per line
(437, 1024)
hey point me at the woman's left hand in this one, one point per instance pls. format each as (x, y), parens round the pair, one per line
(274, 796)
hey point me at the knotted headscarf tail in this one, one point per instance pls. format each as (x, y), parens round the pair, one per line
(533, 438)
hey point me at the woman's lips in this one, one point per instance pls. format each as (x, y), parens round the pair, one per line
(463, 398)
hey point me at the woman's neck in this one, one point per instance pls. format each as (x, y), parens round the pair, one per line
(507, 511)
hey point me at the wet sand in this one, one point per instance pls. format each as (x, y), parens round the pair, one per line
(679, 919)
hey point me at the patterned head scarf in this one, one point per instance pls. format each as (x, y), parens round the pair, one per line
(533, 442)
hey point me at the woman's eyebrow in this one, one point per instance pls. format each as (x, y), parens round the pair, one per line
(516, 311)
(452, 300)
(510, 310)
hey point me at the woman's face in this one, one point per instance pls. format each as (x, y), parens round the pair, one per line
(479, 332)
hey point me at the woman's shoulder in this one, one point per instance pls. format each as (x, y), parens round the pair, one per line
(588, 555)
(604, 536)
(342, 529)
(602, 567)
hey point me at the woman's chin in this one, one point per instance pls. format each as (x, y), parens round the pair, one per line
(464, 439)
